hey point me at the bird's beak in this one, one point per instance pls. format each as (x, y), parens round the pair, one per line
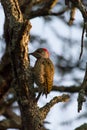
(30, 53)
(33, 54)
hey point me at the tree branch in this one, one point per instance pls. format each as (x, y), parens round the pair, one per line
(82, 92)
(72, 15)
(44, 110)
(43, 12)
(82, 8)
(68, 89)
(82, 41)
(19, 37)
(7, 123)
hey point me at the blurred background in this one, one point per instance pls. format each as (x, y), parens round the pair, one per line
(64, 44)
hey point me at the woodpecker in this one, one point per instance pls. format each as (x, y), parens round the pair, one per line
(43, 71)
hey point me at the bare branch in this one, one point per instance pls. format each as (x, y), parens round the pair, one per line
(42, 12)
(7, 123)
(13, 116)
(72, 15)
(50, 4)
(82, 41)
(44, 5)
(82, 8)
(68, 89)
(44, 110)
(82, 92)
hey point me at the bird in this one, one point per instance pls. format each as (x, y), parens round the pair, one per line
(43, 71)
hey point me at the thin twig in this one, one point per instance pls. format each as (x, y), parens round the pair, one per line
(83, 92)
(82, 39)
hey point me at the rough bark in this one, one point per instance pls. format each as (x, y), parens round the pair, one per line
(18, 41)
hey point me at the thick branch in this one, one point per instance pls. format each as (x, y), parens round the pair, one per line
(19, 38)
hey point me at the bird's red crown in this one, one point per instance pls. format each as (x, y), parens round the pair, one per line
(46, 51)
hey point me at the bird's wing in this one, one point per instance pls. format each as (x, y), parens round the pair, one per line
(44, 72)
(48, 76)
